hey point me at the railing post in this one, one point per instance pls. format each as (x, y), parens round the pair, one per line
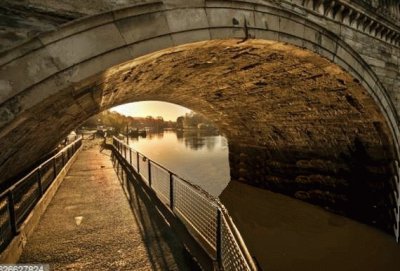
(55, 167)
(137, 162)
(130, 156)
(171, 191)
(39, 179)
(149, 171)
(11, 210)
(218, 241)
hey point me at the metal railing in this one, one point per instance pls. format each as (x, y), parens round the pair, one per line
(204, 216)
(18, 201)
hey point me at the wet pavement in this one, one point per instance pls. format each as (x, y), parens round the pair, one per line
(90, 225)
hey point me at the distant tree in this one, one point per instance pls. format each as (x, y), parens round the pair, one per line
(179, 122)
(119, 122)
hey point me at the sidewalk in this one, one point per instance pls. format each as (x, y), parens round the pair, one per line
(89, 225)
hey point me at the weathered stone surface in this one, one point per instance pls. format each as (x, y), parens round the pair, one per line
(265, 95)
(296, 123)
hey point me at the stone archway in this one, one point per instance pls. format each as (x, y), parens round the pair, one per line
(59, 79)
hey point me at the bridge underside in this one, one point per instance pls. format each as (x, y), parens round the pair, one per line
(296, 123)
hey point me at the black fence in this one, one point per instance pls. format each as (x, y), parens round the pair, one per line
(204, 216)
(18, 201)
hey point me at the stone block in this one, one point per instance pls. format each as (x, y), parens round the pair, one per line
(154, 6)
(97, 65)
(324, 53)
(227, 33)
(19, 51)
(266, 35)
(229, 17)
(328, 43)
(266, 21)
(218, 3)
(283, 37)
(373, 60)
(76, 26)
(40, 92)
(183, 3)
(25, 71)
(186, 19)
(72, 76)
(312, 35)
(150, 46)
(143, 27)
(85, 45)
(191, 36)
(291, 27)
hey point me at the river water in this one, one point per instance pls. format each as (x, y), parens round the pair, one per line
(282, 233)
(199, 157)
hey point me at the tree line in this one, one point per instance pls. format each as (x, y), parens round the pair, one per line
(119, 123)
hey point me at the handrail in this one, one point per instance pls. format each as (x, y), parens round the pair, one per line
(199, 188)
(38, 167)
(18, 200)
(224, 243)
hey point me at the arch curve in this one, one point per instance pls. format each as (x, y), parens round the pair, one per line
(61, 59)
(67, 65)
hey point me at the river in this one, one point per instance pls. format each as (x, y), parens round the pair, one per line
(282, 233)
(199, 157)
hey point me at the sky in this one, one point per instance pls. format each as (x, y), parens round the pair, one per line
(168, 111)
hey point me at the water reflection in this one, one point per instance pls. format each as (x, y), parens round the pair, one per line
(196, 140)
(198, 156)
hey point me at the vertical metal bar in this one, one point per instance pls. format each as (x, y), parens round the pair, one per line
(54, 167)
(11, 210)
(130, 156)
(171, 190)
(149, 168)
(127, 134)
(39, 179)
(218, 240)
(137, 162)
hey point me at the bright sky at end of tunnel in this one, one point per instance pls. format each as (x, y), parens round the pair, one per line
(168, 111)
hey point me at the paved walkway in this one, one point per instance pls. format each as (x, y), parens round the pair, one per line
(89, 225)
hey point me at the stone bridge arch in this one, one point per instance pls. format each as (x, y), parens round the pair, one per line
(67, 72)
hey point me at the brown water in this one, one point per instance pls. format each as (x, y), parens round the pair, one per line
(287, 234)
(281, 232)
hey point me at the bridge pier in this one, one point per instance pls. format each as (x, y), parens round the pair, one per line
(351, 182)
